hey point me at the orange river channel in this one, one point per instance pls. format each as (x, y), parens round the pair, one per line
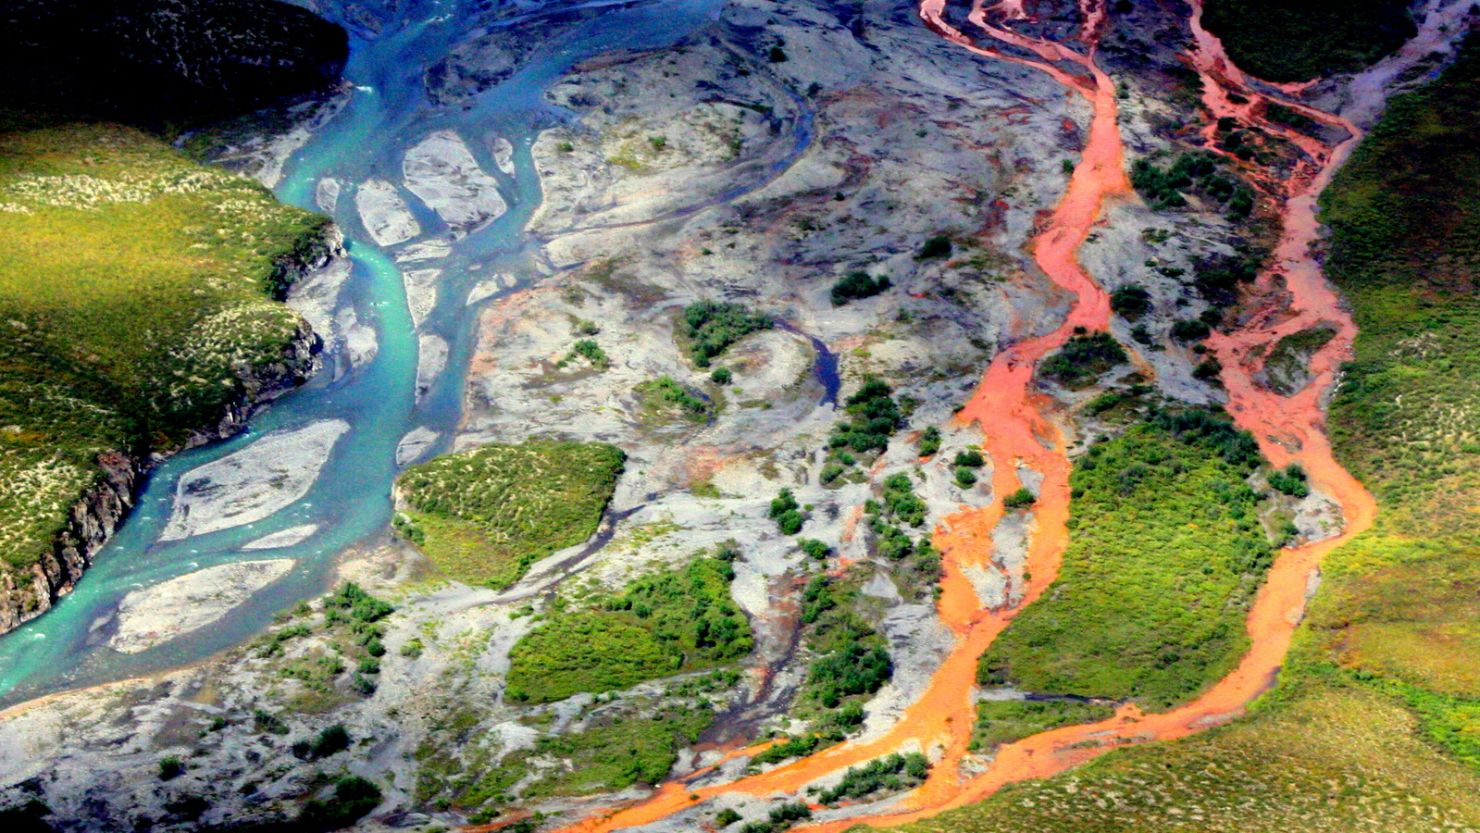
(1017, 432)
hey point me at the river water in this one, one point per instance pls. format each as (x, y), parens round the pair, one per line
(388, 112)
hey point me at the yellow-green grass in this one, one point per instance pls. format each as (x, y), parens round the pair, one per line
(1166, 549)
(484, 516)
(1336, 758)
(136, 288)
(1401, 604)
(674, 621)
(1375, 724)
(1004, 721)
(612, 751)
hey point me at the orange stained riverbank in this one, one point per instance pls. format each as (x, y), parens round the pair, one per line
(1017, 431)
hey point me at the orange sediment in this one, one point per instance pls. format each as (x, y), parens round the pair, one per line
(1018, 432)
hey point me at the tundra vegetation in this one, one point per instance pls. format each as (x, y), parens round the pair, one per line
(1295, 40)
(709, 328)
(1166, 550)
(1374, 719)
(674, 621)
(850, 661)
(1083, 359)
(137, 294)
(484, 516)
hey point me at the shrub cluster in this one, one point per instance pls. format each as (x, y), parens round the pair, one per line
(677, 620)
(890, 773)
(856, 286)
(1083, 359)
(710, 327)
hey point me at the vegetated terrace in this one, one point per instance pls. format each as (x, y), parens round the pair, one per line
(136, 285)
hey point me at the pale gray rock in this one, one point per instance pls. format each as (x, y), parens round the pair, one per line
(384, 213)
(441, 172)
(503, 155)
(414, 444)
(157, 614)
(283, 538)
(421, 292)
(253, 483)
(432, 360)
(326, 194)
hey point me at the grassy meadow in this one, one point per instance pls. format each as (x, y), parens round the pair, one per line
(135, 288)
(1294, 40)
(484, 516)
(1166, 550)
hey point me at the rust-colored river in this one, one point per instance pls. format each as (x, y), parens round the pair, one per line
(1018, 431)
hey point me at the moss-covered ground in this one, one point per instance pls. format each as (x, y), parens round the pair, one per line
(134, 288)
(484, 516)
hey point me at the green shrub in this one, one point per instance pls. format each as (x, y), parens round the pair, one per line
(710, 327)
(1196, 172)
(589, 350)
(1284, 40)
(1189, 330)
(170, 768)
(872, 418)
(857, 285)
(929, 442)
(1004, 721)
(721, 376)
(665, 394)
(971, 458)
(814, 548)
(965, 477)
(1021, 499)
(677, 620)
(786, 512)
(936, 247)
(354, 797)
(889, 774)
(329, 741)
(1083, 359)
(1130, 301)
(726, 817)
(1166, 550)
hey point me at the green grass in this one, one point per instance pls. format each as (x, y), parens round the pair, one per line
(663, 400)
(1004, 721)
(1165, 552)
(1332, 760)
(1287, 362)
(134, 287)
(1402, 602)
(484, 516)
(674, 621)
(889, 774)
(1293, 40)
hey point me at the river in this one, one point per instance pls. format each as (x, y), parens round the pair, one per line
(388, 111)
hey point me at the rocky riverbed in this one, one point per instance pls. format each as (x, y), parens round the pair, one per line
(758, 161)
